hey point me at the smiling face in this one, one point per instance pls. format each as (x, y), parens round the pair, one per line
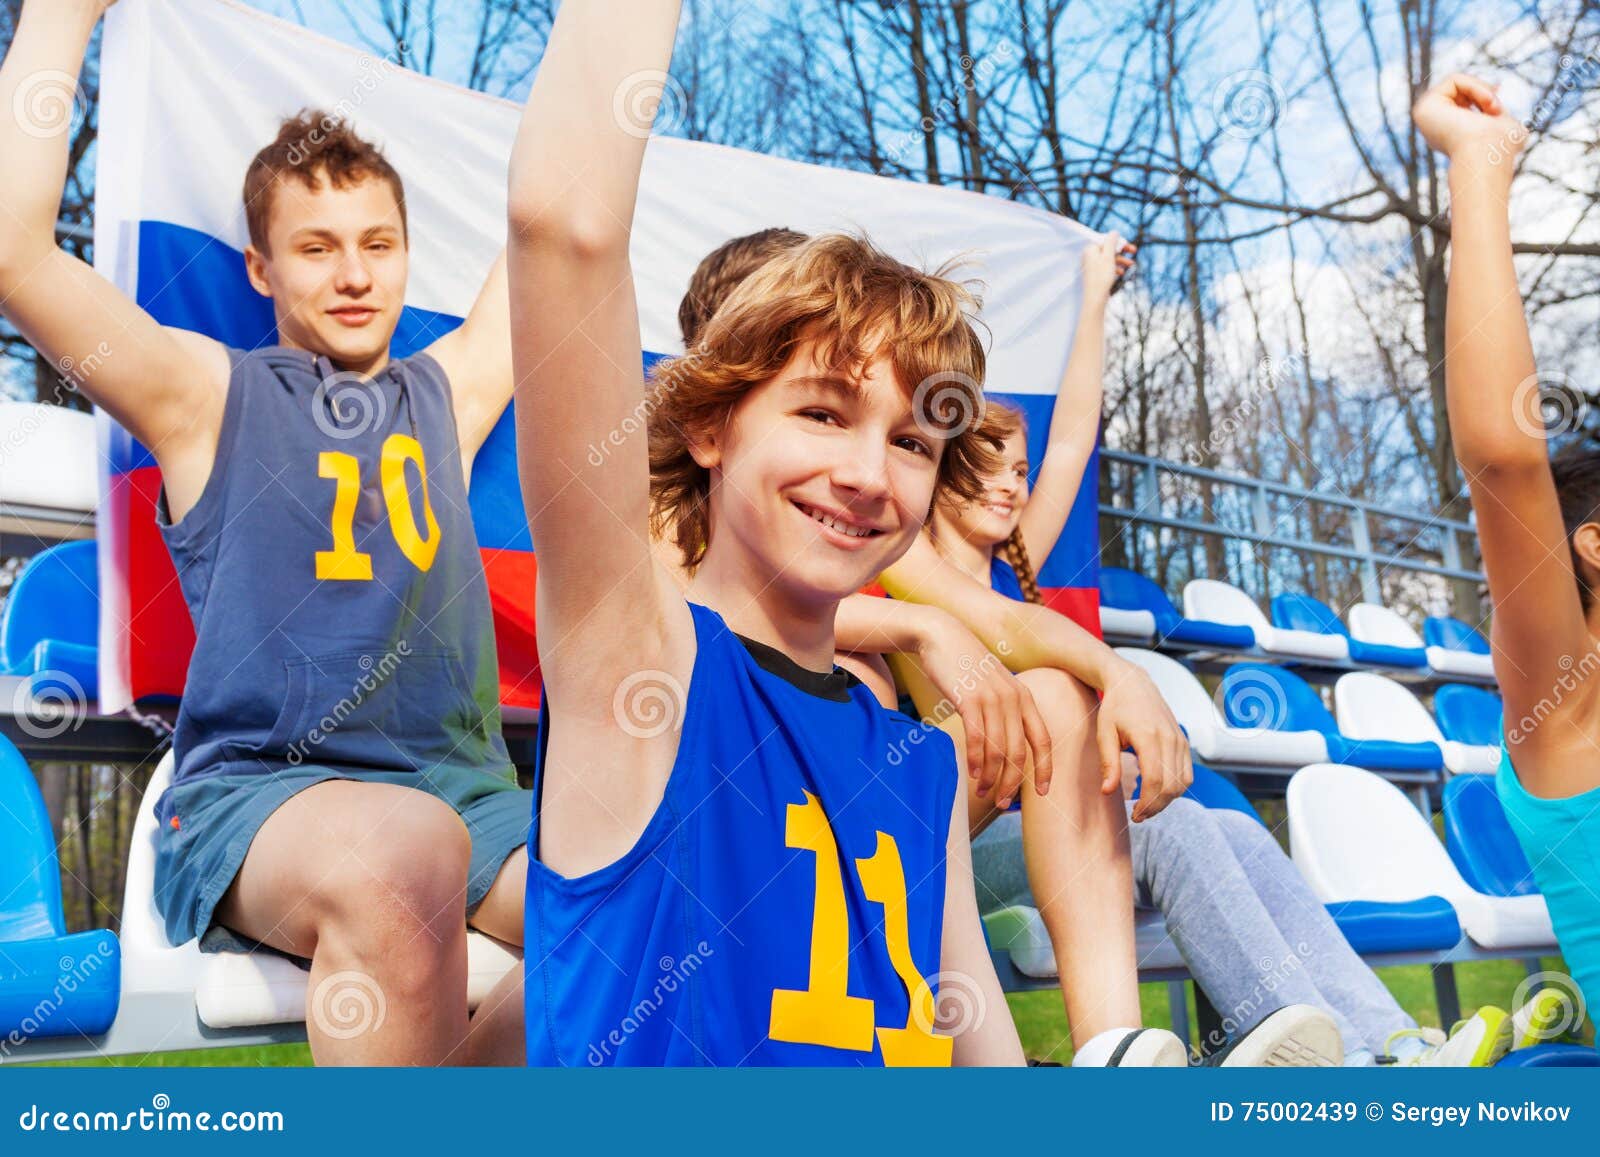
(335, 265)
(990, 521)
(819, 479)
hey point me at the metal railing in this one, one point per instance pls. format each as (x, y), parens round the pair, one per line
(1142, 497)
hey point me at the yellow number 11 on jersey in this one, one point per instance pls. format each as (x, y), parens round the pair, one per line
(823, 1012)
(344, 561)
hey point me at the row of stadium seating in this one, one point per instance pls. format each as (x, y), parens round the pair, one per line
(1417, 895)
(1218, 616)
(1269, 717)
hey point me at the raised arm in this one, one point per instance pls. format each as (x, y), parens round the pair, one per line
(1075, 421)
(1025, 635)
(1492, 389)
(607, 612)
(165, 386)
(476, 357)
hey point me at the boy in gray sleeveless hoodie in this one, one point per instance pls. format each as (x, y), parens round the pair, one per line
(342, 792)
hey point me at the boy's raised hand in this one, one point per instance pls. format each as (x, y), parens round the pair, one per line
(1464, 118)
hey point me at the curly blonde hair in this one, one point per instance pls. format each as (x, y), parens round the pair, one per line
(853, 301)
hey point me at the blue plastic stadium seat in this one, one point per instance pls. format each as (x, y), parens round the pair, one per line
(1468, 714)
(1210, 789)
(1453, 635)
(51, 983)
(50, 627)
(1480, 839)
(1412, 926)
(1261, 695)
(1551, 1056)
(1301, 612)
(1131, 591)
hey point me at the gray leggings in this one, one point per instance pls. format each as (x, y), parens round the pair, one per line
(1249, 929)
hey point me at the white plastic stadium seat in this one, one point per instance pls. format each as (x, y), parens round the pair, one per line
(1372, 706)
(227, 990)
(1376, 623)
(50, 457)
(1224, 603)
(1355, 836)
(1118, 623)
(1212, 740)
(1019, 931)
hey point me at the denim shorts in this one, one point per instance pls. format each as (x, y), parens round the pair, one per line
(218, 817)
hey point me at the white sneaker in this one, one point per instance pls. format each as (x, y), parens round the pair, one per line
(1298, 1036)
(1477, 1042)
(1132, 1048)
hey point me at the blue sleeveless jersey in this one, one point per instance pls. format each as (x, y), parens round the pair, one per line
(340, 608)
(785, 903)
(1003, 579)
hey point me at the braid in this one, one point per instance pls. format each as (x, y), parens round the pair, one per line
(1015, 552)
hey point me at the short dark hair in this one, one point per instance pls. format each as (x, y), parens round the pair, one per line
(1576, 469)
(722, 270)
(313, 145)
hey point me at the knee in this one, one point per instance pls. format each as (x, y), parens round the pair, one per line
(399, 899)
(1067, 704)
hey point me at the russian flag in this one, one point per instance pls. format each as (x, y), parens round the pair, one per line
(190, 89)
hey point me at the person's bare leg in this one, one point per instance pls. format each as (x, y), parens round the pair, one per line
(1075, 843)
(369, 881)
(496, 1035)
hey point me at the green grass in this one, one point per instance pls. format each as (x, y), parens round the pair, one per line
(1041, 1021)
